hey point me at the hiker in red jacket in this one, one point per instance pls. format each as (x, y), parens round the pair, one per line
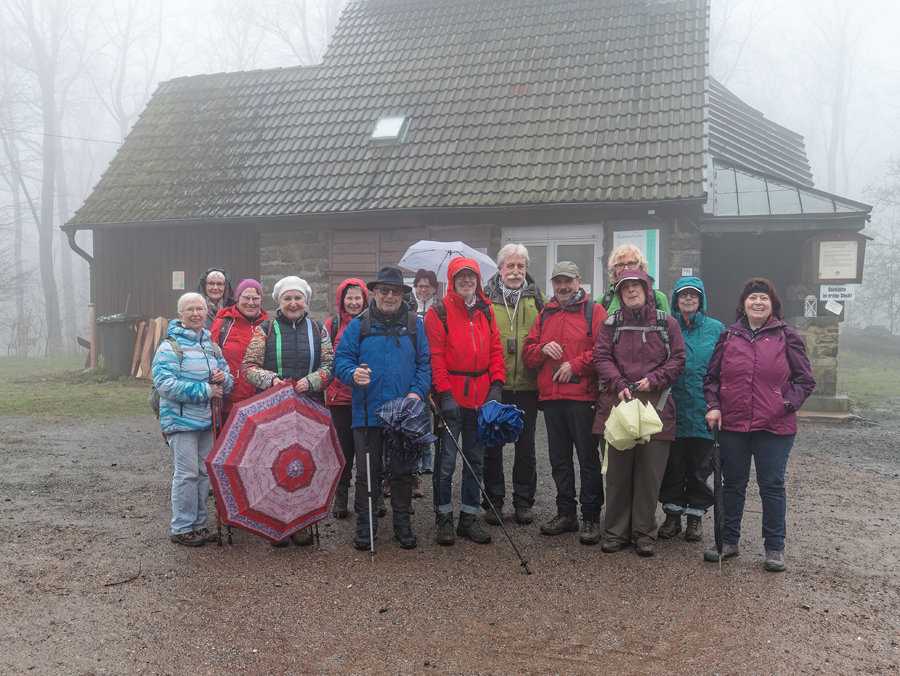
(467, 370)
(561, 346)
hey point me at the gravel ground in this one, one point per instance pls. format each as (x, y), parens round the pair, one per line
(90, 584)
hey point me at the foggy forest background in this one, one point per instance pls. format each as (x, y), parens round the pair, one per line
(75, 75)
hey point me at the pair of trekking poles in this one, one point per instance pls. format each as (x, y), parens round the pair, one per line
(440, 436)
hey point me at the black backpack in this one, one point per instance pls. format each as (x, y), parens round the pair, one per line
(365, 330)
(588, 314)
(661, 327)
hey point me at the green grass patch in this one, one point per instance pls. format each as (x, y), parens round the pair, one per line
(61, 387)
(868, 379)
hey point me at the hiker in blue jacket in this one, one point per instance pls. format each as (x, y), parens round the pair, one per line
(684, 488)
(397, 366)
(189, 372)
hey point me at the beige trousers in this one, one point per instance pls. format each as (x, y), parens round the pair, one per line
(633, 478)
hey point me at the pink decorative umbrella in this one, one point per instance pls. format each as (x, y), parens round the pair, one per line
(276, 464)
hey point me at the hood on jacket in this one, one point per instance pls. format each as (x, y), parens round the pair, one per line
(643, 278)
(458, 264)
(229, 287)
(695, 317)
(342, 289)
(493, 290)
(176, 329)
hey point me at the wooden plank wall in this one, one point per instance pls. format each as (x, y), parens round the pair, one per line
(138, 262)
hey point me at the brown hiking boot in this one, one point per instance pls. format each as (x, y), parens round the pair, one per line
(417, 491)
(340, 509)
(694, 530)
(774, 560)
(671, 527)
(590, 531)
(302, 538)
(560, 524)
(468, 527)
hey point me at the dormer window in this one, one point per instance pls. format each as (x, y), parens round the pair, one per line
(389, 130)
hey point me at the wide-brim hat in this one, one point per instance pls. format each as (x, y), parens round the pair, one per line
(389, 275)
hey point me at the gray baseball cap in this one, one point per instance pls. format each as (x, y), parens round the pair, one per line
(566, 268)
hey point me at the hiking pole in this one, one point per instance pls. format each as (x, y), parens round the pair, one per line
(368, 468)
(718, 499)
(484, 494)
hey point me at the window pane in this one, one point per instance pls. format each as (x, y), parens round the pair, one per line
(753, 203)
(583, 256)
(813, 204)
(725, 180)
(538, 266)
(784, 201)
(726, 205)
(747, 183)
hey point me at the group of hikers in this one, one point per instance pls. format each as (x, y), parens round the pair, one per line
(502, 339)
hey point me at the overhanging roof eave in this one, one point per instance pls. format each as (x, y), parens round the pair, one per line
(784, 223)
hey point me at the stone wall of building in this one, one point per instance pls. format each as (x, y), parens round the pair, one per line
(685, 243)
(303, 254)
(821, 337)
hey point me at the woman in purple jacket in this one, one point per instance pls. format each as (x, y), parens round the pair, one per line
(758, 376)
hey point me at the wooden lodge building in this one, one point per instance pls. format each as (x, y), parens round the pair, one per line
(567, 125)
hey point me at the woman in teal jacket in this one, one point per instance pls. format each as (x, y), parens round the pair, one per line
(191, 376)
(684, 488)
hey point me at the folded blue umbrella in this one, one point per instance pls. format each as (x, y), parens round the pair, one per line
(499, 424)
(407, 428)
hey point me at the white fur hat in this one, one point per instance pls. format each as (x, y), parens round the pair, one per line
(288, 283)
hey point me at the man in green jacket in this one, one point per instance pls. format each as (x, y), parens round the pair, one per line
(517, 302)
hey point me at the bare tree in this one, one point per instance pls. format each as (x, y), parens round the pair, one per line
(733, 25)
(303, 26)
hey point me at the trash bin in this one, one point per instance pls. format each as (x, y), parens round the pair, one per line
(118, 333)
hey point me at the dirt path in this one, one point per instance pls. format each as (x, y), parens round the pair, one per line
(86, 505)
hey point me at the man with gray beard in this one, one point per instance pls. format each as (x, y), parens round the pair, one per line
(517, 302)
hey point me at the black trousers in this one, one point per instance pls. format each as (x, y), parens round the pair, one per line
(524, 472)
(342, 418)
(684, 485)
(569, 424)
(401, 479)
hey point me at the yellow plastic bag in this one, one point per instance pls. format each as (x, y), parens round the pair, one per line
(629, 423)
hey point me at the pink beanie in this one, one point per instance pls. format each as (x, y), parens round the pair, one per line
(247, 284)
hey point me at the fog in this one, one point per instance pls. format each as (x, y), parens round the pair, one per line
(75, 74)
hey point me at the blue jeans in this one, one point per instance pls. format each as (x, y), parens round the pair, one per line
(465, 426)
(190, 483)
(770, 455)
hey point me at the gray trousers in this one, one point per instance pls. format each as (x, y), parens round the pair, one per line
(633, 478)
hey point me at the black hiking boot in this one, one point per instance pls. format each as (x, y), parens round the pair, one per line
(468, 527)
(361, 540)
(445, 535)
(670, 528)
(341, 510)
(405, 536)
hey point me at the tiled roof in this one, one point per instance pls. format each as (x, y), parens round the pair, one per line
(742, 136)
(512, 102)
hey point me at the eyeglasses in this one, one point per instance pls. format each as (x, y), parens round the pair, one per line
(389, 292)
(220, 284)
(688, 293)
(423, 286)
(631, 265)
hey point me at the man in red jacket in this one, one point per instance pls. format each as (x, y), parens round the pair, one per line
(467, 369)
(561, 346)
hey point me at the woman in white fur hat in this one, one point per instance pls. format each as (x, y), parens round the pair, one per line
(292, 347)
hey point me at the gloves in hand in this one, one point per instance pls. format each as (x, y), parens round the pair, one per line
(495, 393)
(449, 407)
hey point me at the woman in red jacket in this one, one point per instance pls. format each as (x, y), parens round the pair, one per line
(352, 299)
(467, 369)
(232, 330)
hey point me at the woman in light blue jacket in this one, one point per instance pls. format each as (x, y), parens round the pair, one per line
(189, 373)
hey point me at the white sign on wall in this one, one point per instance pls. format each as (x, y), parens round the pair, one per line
(837, 291)
(645, 240)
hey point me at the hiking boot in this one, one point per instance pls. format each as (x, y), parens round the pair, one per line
(189, 539)
(774, 560)
(405, 536)
(207, 535)
(302, 538)
(417, 491)
(590, 530)
(611, 546)
(468, 527)
(694, 530)
(671, 527)
(524, 516)
(340, 511)
(445, 534)
(361, 540)
(560, 524)
(382, 508)
(645, 547)
(491, 518)
(728, 550)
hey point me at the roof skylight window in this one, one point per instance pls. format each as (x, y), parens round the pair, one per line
(390, 129)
